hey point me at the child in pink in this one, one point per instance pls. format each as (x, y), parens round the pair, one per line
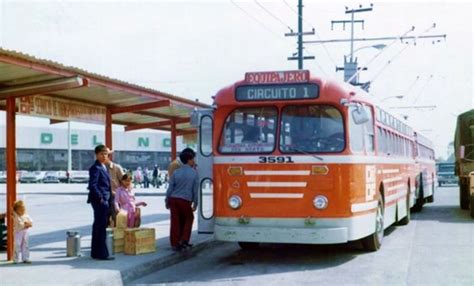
(125, 200)
(22, 222)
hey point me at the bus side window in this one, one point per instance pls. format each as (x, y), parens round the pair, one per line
(369, 131)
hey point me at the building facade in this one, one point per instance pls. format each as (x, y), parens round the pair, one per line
(41, 149)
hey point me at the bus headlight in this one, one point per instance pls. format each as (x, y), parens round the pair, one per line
(320, 202)
(235, 202)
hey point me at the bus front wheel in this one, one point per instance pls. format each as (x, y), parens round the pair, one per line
(464, 195)
(374, 241)
(472, 206)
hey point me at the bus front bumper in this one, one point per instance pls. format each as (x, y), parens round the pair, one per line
(294, 230)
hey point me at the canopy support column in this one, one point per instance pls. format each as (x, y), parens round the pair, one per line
(11, 171)
(173, 139)
(108, 128)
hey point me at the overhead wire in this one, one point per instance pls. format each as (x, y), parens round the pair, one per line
(273, 16)
(379, 53)
(273, 33)
(400, 52)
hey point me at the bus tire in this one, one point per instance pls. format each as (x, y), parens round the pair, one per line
(472, 206)
(463, 195)
(248, 245)
(374, 241)
(420, 200)
(406, 219)
(430, 199)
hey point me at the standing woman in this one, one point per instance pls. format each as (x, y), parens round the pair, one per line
(182, 201)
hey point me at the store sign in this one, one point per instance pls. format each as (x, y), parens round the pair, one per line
(61, 109)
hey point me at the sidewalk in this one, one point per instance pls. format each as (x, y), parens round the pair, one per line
(51, 266)
(54, 213)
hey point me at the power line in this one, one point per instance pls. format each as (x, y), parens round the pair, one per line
(255, 19)
(400, 52)
(271, 31)
(273, 16)
(377, 55)
(387, 64)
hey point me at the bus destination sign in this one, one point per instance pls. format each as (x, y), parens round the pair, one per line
(277, 92)
(298, 76)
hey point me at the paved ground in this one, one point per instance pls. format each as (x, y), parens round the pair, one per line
(436, 248)
(58, 208)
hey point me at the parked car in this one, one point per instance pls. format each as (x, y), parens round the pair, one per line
(3, 177)
(446, 174)
(31, 177)
(51, 178)
(79, 177)
(62, 176)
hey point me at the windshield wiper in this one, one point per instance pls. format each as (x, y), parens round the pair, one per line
(305, 153)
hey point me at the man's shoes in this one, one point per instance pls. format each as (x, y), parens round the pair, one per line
(105, 258)
(185, 245)
(27, 261)
(177, 248)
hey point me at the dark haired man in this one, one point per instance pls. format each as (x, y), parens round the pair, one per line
(176, 164)
(182, 200)
(99, 198)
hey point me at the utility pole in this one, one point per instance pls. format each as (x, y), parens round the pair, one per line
(351, 67)
(299, 53)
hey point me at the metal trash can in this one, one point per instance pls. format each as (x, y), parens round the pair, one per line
(73, 244)
(109, 241)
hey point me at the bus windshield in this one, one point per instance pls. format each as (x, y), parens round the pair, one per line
(311, 129)
(249, 130)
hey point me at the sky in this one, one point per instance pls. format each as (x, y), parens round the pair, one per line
(194, 48)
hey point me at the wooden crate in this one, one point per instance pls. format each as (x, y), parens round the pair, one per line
(139, 241)
(119, 233)
(119, 245)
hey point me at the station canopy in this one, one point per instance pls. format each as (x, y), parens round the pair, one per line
(61, 93)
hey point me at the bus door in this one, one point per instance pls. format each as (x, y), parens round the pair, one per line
(202, 119)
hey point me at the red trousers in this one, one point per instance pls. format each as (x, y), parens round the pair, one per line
(181, 220)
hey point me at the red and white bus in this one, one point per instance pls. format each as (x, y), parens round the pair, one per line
(288, 158)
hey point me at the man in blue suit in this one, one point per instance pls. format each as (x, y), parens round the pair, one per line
(99, 198)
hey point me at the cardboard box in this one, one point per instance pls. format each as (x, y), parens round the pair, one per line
(139, 241)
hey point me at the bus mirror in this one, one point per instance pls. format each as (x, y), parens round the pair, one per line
(359, 115)
(462, 149)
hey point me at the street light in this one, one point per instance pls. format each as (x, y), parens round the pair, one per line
(396, 96)
(378, 47)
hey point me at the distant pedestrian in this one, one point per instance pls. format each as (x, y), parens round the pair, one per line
(182, 201)
(176, 164)
(154, 175)
(99, 197)
(146, 178)
(116, 173)
(22, 222)
(138, 177)
(125, 200)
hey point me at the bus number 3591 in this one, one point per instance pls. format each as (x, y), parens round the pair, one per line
(275, 159)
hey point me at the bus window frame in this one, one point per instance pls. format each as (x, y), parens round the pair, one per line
(218, 145)
(344, 123)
